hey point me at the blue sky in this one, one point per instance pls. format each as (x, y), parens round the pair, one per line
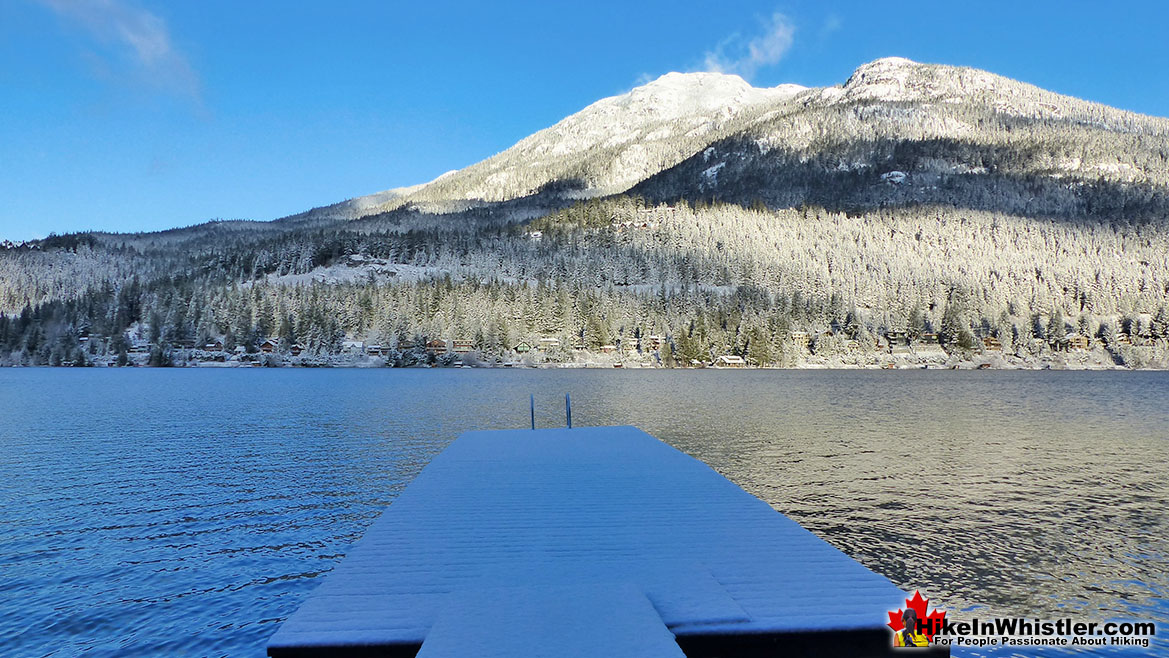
(140, 115)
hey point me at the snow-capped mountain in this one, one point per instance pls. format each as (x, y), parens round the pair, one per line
(895, 128)
(696, 207)
(615, 142)
(901, 133)
(604, 149)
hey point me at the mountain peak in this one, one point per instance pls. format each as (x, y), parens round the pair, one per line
(887, 63)
(888, 78)
(616, 141)
(901, 79)
(712, 83)
(678, 94)
(693, 77)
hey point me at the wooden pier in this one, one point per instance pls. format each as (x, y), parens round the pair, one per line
(599, 541)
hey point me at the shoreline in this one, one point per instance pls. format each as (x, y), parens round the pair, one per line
(584, 365)
(1099, 358)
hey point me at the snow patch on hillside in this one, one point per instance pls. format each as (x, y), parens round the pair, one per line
(357, 269)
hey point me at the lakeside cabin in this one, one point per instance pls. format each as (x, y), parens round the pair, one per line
(897, 338)
(730, 361)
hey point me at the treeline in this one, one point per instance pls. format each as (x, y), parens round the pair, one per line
(168, 318)
(497, 317)
(697, 325)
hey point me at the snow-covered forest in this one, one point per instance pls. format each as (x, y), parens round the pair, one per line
(777, 225)
(718, 279)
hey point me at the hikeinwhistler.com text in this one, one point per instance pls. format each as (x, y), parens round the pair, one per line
(1020, 632)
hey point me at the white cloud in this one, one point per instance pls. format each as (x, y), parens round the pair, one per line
(137, 36)
(746, 56)
(831, 24)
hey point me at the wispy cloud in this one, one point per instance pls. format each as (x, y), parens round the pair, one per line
(831, 24)
(137, 37)
(746, 55)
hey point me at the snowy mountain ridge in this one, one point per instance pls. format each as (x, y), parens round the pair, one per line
(696, 99)
(609, 145)
(604, 148)
(619, 142)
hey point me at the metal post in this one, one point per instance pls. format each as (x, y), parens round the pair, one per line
(532, 402)
(568, 409)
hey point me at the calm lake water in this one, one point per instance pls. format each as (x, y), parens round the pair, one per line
(187, 512)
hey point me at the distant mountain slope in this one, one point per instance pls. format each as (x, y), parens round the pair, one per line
(356, 207)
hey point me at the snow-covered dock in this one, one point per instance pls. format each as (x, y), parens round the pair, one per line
(598, 541)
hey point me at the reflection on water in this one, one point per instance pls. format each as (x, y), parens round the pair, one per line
(188, 512)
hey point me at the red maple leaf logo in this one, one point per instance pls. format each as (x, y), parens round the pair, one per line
(930, 623)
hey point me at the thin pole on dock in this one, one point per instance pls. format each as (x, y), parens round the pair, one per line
(568, 409)
(532, 402)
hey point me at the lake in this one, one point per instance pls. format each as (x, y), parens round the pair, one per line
(188, 512)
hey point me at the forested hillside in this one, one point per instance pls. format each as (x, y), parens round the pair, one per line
(916, 214)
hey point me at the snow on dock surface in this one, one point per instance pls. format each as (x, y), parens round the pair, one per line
(612, 620)
(590, 541)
